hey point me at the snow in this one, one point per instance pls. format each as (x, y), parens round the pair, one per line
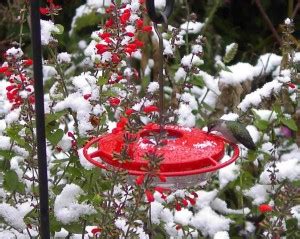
(192, 27)
(266, 115)
(183, 216)
(254, 133)
(65, 143)
(287, 21)
(204, 144)
(78, 104)
(67, 209)
(12, 116)
(16, 52)
(160, 4)
(64, 57)
(259, 193)
(238, 73)
(5, 143)
(267, 63)
(221, 206)
(230, 116)
(197, 49)
(153, 87)
(48, 72)
(191, 60)
(180, 75)
(288, 169)
(156, 209)
(83, 161)
(256, 97)
(205, 198)
(295, 211)
(222, 235)
(47, 28)
(228, 173)
(12, 216)
(209, 222)
(185, 116)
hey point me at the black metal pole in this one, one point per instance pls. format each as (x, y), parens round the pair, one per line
(40, 118)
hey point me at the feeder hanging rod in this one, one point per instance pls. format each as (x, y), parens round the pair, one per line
(40, 118)
(157, 18)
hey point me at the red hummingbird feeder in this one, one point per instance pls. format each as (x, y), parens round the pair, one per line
(190, 155)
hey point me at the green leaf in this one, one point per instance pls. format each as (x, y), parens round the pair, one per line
(197, 81)
(87, 20)
(11, 182)
(289, 123)
(13, 133)
(261, 124)
(230, 53)
(55, 137)
(102, 81)
(74, 227)
(60, 29)
(53, 117)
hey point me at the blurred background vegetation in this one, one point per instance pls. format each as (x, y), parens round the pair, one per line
(240, 21)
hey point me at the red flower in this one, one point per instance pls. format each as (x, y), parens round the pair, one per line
(110, 8)
(3, 69)
(140, 179)
(86, 96)
(109, 23)
(130, 34)
(129, 50)
(96, 230)
(161, 190)
(125, 16)
(114, 101)
(185, 202)
(122, 122)
(44, 10)
(138, 43)
(149, 196)
(70, 134)
(147, 29)
(192, 200)
(291, 85)
(194, 194)
(132, 46)
(128, 112)
(151, 108)
(101, 48)
(265, 208)
(177, 206)
(139, 23)
(141, 1)
(178, 227)
(115, 58)
(28, 62)
(104, 35)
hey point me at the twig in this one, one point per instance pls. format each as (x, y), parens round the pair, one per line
(296, 9)
(268, 21)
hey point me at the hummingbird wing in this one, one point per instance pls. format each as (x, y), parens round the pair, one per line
(240, 132)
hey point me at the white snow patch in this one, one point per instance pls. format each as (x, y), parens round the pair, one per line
(259, 193)
(209, 222)
(47, 28)
(191, 27)
(67, 209)
(228, 173)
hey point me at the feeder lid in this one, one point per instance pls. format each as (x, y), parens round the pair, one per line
(185, 151)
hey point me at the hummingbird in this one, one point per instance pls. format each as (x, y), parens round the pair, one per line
(233, 131)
